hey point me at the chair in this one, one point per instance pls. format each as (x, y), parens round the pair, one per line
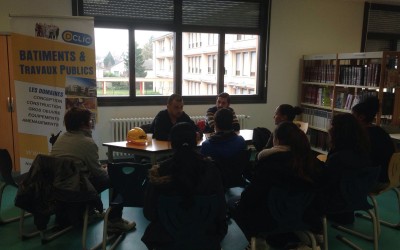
(7, 179)
(129, 181)
(355, 185)
(287, 208)
(188, 227)
(302, 125)
(54, 186)
(393, 185)
(232, 169)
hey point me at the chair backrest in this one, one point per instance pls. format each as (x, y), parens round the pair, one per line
(6, 167)
(129, 180)
(302, 125)
(394, 170)
(189, 227)
(232, 169)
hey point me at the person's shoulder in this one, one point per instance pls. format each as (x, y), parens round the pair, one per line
(377, 130)
(239, 137)
(162, 112)
(185, 118)
(213, 109)
(231, 109)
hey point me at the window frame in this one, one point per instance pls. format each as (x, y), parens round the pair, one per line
(178, 28)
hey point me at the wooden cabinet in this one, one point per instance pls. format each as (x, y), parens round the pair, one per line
(333, 83)
(8, 127)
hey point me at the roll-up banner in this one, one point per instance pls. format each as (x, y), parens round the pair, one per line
(53, 64)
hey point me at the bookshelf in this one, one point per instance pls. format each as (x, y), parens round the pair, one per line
(334, 83)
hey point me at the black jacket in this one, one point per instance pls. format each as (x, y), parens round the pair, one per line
(53, 182)
(208, 183)
(274, 182)
(161, 125)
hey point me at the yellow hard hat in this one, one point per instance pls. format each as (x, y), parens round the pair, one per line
(137, 136)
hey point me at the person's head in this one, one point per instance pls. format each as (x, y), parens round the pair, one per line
(346, 132)
(183, 136)
(188, 164)
(223, 119)
(366, 110)
(77, 118)
(289, 134)
(175, 105)
(223, 100)
(286, 112)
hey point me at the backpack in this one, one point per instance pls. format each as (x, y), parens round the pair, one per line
(260, 137)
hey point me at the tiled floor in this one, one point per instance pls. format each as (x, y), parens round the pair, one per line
(390, 238)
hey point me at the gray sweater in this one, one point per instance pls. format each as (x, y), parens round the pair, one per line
(80, 145)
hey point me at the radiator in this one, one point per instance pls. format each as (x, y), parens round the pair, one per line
(121, 126)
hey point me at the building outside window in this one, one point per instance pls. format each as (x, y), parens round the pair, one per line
(136, 56)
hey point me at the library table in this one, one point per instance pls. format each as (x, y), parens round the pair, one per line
(156, 149)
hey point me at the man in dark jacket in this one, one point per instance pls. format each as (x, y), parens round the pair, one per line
(167, 118)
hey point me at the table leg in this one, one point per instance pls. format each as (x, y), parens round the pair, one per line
(110, 154)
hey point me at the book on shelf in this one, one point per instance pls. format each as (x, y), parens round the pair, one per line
(319, 97)
(349, 100)
(356, 100)
(340, 99)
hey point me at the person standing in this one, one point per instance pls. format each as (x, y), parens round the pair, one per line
(223, 101)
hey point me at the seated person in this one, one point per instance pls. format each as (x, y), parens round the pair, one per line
(167, 118)
(349, 149)
(225, 143)
(283, 113)
(382, 146)
(77, 143)
(291, 166)
(223, 101)
(186, 174)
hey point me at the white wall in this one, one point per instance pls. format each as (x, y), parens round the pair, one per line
(32, 7)
(298, 27)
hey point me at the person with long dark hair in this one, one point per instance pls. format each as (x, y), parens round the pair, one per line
(289, 165)
(187, 174)
(349, 149)
(382, 146)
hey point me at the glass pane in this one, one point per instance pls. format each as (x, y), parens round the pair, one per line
(241, 64)
(154, 62)
(111, 46)
(199, 63)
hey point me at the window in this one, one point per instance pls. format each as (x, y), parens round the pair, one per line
(212, 64)
(381, 28)
(197, 48)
